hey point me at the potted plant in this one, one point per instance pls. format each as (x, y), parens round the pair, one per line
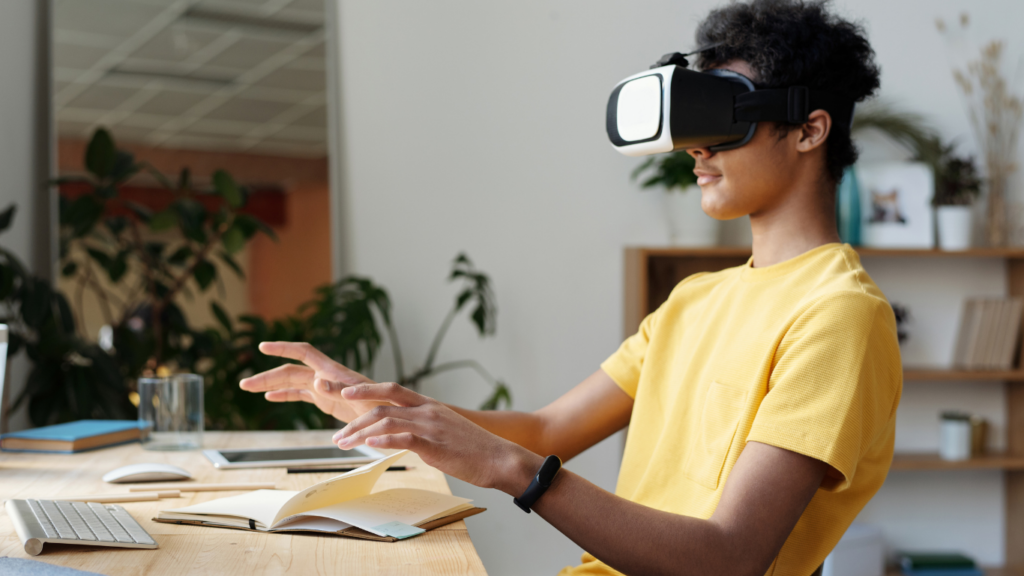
(688, 225)
(957, 186)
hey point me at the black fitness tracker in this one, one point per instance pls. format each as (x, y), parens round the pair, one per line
(540, 483)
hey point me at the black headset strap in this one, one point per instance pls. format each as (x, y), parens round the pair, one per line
(791, 105)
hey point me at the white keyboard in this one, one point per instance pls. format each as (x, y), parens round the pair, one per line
(63, 522)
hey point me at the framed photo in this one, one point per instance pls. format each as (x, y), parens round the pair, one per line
(896, 210)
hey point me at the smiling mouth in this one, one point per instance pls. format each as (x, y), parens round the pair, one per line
(705, 177)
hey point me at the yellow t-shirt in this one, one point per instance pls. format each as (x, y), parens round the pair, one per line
(801, 355)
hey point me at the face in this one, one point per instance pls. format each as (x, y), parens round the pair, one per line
(748, 179)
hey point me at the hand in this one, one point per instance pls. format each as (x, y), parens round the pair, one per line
(442, 438)
(319, 382)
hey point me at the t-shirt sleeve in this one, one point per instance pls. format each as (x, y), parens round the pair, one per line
(625, 364)
(835, 383)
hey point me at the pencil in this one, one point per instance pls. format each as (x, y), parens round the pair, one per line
(349, 469)
(125, 497)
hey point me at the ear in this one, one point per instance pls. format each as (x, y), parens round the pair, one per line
(814, 132)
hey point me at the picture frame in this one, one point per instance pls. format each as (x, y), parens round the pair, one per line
(896, 210)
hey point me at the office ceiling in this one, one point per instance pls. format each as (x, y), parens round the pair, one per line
(233, 75)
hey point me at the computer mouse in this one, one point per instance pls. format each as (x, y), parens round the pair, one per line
(146, 473)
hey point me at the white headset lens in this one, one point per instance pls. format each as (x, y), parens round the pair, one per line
(638, 114)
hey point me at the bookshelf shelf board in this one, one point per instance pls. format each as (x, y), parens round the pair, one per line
(988, 571)
(946, 374)
(930, 461)
(1013, 252)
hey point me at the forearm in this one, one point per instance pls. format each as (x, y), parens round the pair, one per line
(629, 537)
(523, 428)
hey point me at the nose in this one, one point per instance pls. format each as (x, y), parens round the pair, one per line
(699, 153)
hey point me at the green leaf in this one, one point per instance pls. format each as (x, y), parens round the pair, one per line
(231, 262)
(7, 216)
(69, 269)
(163, 220)
(180, 256)
(204, 273)
(100, 154)
(222, 316)
(118, 267)
(233, 239)
(144, 213)
(124, 166)
(185, 179)
(101, 258)
(81, 214)
(501, 395)
(191, 216)
(227, 188)
(250, 225)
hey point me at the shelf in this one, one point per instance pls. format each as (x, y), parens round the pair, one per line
(931, 461)
(948, 374)
(987, 571)
(744, 251)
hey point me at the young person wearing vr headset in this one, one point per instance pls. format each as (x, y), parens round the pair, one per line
(761, 399)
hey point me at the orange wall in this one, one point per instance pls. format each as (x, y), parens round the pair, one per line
(282, 275)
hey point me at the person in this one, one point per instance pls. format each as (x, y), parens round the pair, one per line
(760, 400)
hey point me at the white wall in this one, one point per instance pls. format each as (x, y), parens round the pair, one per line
(478, 126)
(24, 145)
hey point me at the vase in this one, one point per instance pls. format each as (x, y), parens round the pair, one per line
(848, 208)
(955, 227)
(687, 223)
(996, 210)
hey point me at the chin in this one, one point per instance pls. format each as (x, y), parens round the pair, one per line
(713, 204)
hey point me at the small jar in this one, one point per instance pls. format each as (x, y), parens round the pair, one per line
(955, 436)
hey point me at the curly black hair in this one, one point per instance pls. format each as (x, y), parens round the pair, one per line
(796, 43)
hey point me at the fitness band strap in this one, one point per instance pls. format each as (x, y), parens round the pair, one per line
(540, 483)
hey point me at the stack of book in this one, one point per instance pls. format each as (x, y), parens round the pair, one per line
(989, 333)
(938, 564)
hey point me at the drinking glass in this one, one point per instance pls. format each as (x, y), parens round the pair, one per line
(172, 409)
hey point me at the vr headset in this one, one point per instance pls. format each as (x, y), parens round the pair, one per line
(670, 107)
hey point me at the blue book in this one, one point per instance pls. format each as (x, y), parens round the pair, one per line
(73, 437)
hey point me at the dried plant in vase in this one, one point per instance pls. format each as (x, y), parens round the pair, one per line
(995, 112)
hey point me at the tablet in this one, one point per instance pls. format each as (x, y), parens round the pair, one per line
(284, 457)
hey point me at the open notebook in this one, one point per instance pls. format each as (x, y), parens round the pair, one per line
(342, 505)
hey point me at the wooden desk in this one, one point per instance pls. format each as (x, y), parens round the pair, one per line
(202, 550)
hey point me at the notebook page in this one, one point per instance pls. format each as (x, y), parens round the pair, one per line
(406, 505)
(354, 484)
(260, 505)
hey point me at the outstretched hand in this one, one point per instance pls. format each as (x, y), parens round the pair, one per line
(319, 380)
(443, 438)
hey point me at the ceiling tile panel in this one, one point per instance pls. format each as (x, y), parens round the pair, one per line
(112, 17)
(171, 102)
(295, 79)
(315, 119)
(101, 97)
(75, 56)
(247, 53)
(176, 43)
(244, 110)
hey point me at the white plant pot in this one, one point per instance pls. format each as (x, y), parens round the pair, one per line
(687, 223)
(954, 223)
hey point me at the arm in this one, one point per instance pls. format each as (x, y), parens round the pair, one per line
(593, 410)
(766, 493)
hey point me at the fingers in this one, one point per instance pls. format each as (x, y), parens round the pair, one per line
(403, 441)
(386, 392)
(290, 395)
(282, 377)
(301, 351)
(383, 427)
(369, 418)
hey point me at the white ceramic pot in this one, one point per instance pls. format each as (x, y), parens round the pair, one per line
(954, 224)
(687, 223)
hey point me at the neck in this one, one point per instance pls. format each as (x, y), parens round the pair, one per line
(802, 220)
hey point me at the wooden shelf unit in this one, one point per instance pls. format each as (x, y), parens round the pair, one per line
(652, 272)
